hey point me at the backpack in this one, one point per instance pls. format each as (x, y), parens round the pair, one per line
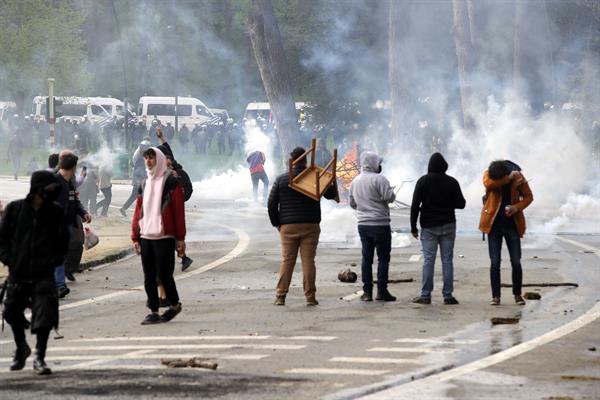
(186, 183)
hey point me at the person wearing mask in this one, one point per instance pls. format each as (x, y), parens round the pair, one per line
(139, 174)
(370, 194)
(297, 218)
(507, 194)
(435, 198)
(33, 240)
(157, 230)
(73, 212)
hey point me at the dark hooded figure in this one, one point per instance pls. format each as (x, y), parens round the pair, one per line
(33, 241)
(436, 196)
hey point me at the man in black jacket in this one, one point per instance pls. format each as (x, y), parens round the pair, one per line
(297, 219)
(33, 240)
(436, 196)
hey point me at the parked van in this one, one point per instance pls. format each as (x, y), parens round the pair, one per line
(190, 111)
(254, 110)
(7, 108)
(115, 107)
(73, 108)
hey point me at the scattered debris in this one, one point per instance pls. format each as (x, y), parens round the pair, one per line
(535, 256)
(190, 362)
(407, 280)
(532, 296)
(461, 256)
(507, 285)
(505, 320)
(353, 264)
(347, 275)
(593, 348)
(580, 378)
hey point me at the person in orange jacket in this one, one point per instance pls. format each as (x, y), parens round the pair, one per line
(507, 195)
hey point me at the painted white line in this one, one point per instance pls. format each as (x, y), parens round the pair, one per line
(436, 341)
(155, 356)
(374, 360)
(353, 296)
(6, 341)
(126, 356)
(410, 350)
(180, 347)
(242, 245)
(315, 338)
(168, 338)
(400, 391)
(415, 258)
(336, 371)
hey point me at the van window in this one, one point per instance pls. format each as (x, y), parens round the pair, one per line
(73, 110)
(97, 110)
(201, 110)
(183, 110)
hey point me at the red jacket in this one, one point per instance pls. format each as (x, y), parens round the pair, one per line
(173, 211)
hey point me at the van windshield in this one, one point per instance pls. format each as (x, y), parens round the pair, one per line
(201, 110)
(72, 110)
(169, 110)
(98, 110)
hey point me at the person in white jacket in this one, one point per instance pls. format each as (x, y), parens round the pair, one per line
(370, 195)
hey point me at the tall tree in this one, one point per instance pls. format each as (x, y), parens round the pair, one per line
(398, 29)
(465, 58)
(270, 57)
(39, 40)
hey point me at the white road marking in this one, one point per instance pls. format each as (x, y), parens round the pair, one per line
(242, 245)
(415, 258)
(353, 296)
(315, 338)
(155, 356)
(436, 341)
(168, 338)
(126, 356)
(402, 391)
(336, 371)
(411, 350)
(181, 347)
(374, 360)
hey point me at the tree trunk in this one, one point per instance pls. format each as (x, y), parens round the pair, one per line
(398, 27)
(270, 57)
(465, 59)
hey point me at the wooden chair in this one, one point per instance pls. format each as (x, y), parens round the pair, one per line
(313, 181)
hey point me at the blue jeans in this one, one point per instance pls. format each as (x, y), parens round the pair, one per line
(443, 236)
(513, 243)
(375, 238)
(59, 276)
(260, 176)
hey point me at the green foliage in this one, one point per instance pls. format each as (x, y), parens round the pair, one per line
(40, 39)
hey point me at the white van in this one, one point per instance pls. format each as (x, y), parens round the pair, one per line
(190, 111)
(115, 107)
(254, 110)
(73, 108)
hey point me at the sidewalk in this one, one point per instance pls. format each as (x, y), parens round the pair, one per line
(114, 242)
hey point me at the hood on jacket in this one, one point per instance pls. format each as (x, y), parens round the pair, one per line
(511, 166)
(161, 165)
(437, 164)
(370, 161)
(45, 184)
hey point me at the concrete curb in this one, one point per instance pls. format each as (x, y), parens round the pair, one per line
(106, 259)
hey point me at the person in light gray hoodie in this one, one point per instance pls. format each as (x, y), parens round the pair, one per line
(370, 194)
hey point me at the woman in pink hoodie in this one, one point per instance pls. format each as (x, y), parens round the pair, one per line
(157, 229)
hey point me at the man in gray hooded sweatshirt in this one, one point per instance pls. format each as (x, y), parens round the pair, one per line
(370, 194)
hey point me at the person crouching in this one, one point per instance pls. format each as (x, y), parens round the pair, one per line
(34, 238)
(157, 230)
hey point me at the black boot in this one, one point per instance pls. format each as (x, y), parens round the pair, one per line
(39, 365)
(384, 295)
(23, 351)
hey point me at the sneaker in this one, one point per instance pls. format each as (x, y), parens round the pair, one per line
(63, 291)
(422, 300)
(70, 276)
(385, 296)
(279, 300)
(185, 263)
(450, 300)
(366, 297)
(171, 313)
(311, 302)
(152, 318)
(519, 300)
(495, 301)
(20, 357)
(39, 365)
(123, 213)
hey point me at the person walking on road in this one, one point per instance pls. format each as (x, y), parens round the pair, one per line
(370, 194)
(436, 196)
(105, 186)
(256, 162)
(33, 240)
(297, 219)
(507, 194)
(157, 230)
(13, 153)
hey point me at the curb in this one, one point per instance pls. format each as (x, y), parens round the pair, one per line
(106, 259)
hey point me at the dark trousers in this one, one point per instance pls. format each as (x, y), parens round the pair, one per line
(513, 243)
(158, 262)
(41, 297)
(375, 238)
(105, 202)
(134, 192)
(262, 176)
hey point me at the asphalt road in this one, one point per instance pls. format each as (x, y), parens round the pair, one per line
(340, 349)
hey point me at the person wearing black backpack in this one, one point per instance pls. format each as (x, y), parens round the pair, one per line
(34, 238)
